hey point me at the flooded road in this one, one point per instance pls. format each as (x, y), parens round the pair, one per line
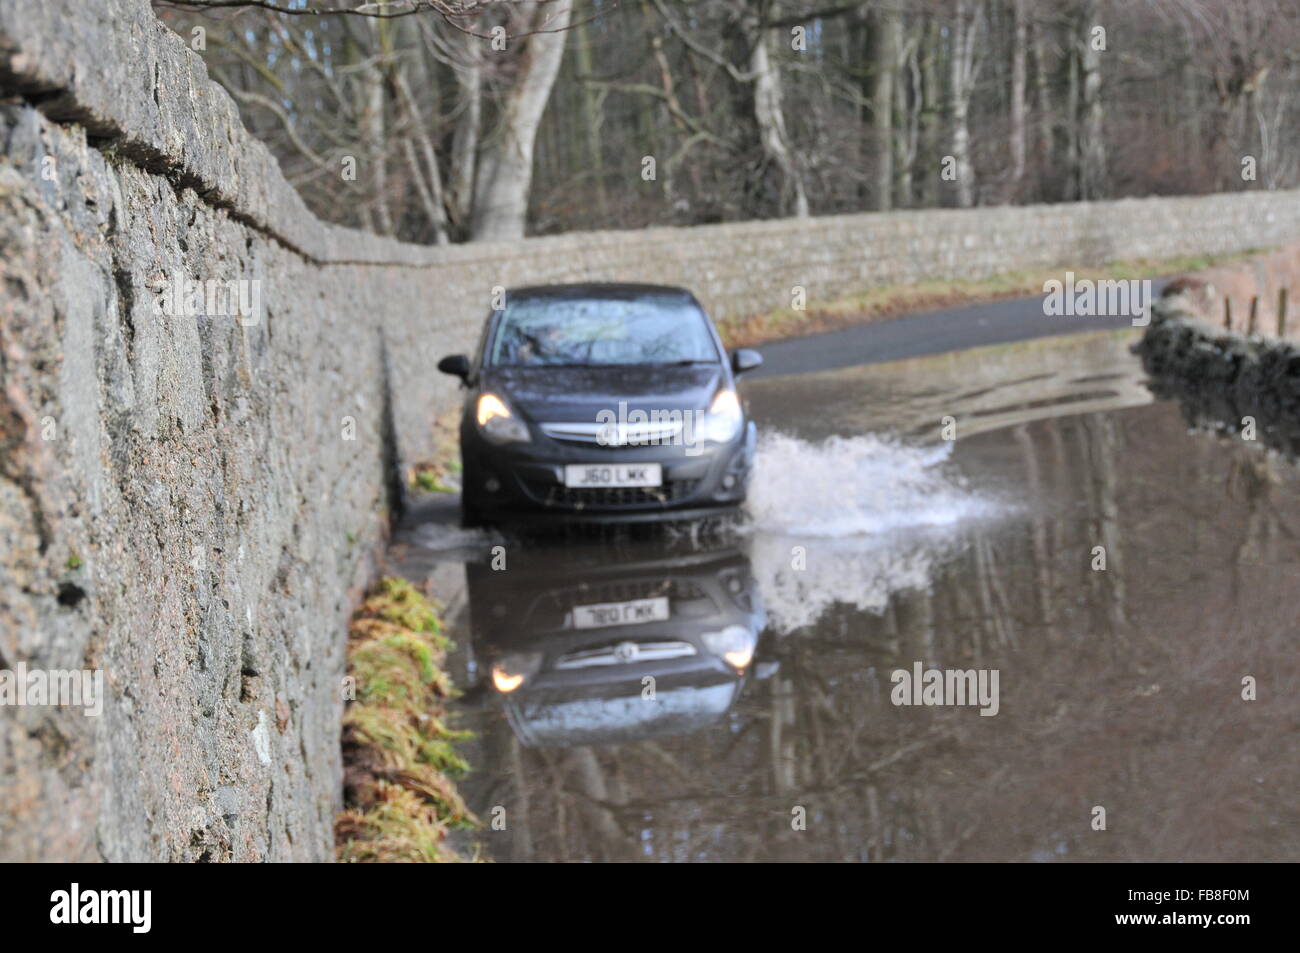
(730, 695)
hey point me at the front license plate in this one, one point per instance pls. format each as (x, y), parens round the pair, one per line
(620, 613)
(617, 474)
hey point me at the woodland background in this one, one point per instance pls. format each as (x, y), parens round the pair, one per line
(451, 120)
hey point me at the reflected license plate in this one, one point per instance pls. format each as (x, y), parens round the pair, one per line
(620, 613)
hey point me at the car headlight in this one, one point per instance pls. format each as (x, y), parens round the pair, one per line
(514, 669)
(735, 643)
(724, 419)
(497, 423)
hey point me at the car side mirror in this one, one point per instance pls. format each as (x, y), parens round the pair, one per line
(744, 359)
(456, 365)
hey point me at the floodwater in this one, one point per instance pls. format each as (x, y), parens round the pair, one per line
(731, 694)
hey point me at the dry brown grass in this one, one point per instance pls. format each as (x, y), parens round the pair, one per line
(891, 301)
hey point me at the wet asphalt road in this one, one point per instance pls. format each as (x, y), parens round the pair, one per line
(919, 335)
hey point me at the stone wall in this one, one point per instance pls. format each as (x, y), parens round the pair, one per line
(1247, 386)
(1226, 376)
(187, 503)
(179, 509)
(1222, 296)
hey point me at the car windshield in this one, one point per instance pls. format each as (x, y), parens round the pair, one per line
(648, 329)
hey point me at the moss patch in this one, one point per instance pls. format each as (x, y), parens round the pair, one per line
(399, 756)
(892, 301)
(441, 473)
(428, 478)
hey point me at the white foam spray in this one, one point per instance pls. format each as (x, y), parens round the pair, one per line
(851, 520)
(850, 486)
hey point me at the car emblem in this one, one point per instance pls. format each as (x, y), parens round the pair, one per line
(625, 651)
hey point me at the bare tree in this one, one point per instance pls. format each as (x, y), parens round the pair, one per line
(1091, 160)
(1018, 55)
(505, 171)
(964, 66)
(771, 119)
(407, 117)
(887, 50)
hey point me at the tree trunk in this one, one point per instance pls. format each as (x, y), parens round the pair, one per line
(592, 101)
(907, 108)
(1068, 129)
(1092, 144)
(506, 170)
(1042, 101)
(887, 41)
(771, 122)
(931, 118)
(375, 127)
(961, 78)
(1017, 137)
(464, 143)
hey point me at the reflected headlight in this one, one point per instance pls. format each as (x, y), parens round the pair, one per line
(735, 643)
(740, 659)
(514, 669)
(723, 421)
(497, 423)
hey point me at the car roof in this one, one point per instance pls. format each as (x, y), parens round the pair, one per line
(600, 289)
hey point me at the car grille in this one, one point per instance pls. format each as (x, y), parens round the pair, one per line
(611, 496)
(615, 435)
(625, 653)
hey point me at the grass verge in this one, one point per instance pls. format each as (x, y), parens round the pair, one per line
(892, 301)
(399, 756)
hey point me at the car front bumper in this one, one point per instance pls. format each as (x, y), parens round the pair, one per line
(524, 482)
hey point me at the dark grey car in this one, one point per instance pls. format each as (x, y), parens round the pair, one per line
(606, 402)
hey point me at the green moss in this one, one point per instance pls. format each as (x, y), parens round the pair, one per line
(429, 482)
(398, 602)
(74, 562)
(395, 737)
(439, 753)
(435, 474)
(402, 827)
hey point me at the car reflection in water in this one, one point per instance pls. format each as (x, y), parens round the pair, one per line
(611, 646)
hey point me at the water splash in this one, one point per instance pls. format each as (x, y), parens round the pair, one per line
(851, 521)
(802, 577)
(852, 486)
(439, 537)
